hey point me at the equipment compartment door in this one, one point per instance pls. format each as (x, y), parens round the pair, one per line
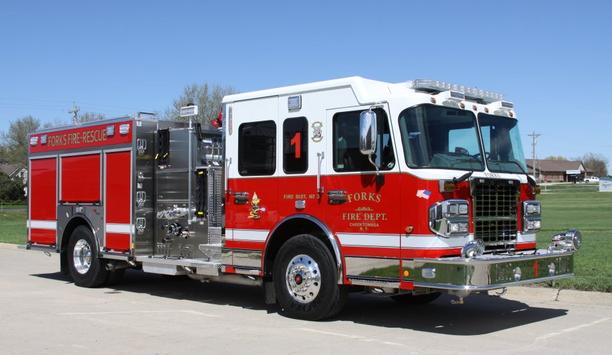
(118, 200)
(42, 224)
(80, 178)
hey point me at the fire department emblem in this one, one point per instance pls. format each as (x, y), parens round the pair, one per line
(256, 210)
(317, 131)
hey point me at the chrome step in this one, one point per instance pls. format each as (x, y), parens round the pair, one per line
(176, 266)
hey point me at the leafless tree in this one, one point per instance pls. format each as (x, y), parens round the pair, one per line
(208, 98)
(597, 163)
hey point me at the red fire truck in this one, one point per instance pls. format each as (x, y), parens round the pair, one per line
(309, 191)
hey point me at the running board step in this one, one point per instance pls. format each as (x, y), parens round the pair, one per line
(171, 266)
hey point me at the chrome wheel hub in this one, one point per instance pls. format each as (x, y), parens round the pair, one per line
(303, 278)
(82, 256)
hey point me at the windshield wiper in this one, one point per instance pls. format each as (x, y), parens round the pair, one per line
(531, 181)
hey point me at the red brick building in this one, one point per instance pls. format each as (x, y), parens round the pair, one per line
(557, 170)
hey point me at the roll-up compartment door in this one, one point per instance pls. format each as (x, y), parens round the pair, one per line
(117, 199)
(42, 224)
(80, 179)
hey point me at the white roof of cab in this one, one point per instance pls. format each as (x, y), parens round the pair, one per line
(365, 90)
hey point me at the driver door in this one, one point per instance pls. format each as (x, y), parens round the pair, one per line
(362, 207)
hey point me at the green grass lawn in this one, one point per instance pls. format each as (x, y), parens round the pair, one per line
(13, 224)
(582, 207)
(563, 207)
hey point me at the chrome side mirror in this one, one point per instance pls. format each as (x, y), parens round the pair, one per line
(367, 132)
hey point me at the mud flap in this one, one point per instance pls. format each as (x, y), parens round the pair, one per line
(64, 262)
(269, 292)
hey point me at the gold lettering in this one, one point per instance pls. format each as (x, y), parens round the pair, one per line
(365, 196)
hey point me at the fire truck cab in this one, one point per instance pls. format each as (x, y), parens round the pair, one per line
(408, 189)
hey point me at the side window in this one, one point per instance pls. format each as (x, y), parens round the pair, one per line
(347, 156)
(295, 145)
(257, 148)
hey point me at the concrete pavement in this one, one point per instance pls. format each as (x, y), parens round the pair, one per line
(41, 310)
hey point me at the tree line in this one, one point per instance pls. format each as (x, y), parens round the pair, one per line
(14, 142)
(597, 164)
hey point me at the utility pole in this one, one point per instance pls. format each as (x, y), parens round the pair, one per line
(75, 113)
(534, 141)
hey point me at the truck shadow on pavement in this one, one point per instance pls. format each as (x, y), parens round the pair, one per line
(480, 314)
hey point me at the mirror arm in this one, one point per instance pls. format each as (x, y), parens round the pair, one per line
(374, 164)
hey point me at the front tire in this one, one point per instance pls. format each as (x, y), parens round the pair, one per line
(306, 280)
(84, 265)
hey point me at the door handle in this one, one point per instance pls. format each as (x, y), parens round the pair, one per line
(337, 197)
(241, 198)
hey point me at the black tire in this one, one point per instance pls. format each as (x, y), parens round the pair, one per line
(330, 297)
(411, 299)
(94, 276)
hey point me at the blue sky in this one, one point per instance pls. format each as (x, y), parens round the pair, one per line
(552, 58)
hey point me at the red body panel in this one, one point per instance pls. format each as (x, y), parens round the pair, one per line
(82, 137)
(388, 208)
(370, 207)
(246, 245)
(118, 198)
(395, 253)
(117, 241)
(80, 178)
(43, 198)
(42, 236)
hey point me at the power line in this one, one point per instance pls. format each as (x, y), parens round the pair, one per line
(534, 141)
(75, 113)
(40, 103)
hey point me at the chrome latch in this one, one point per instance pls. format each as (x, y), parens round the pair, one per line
(141, 224)
(141, 197)
(141, 145)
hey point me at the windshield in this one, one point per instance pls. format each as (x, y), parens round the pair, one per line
(440, 137)
(502, 144)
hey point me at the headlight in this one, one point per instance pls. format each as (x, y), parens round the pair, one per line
(473, 249)
(532, 215)
(569, 240)
(449, 218)
(532, 209)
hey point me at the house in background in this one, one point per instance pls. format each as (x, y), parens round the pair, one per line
(557, 170)
(15, 171)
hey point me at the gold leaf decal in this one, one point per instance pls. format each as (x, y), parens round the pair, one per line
(256, 210)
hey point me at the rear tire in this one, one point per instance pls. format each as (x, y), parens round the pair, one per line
(306, 280)
(84, 265)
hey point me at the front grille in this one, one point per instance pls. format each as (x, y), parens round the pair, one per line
(495, 204)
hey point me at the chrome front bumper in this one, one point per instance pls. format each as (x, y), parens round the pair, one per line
(489, 272)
